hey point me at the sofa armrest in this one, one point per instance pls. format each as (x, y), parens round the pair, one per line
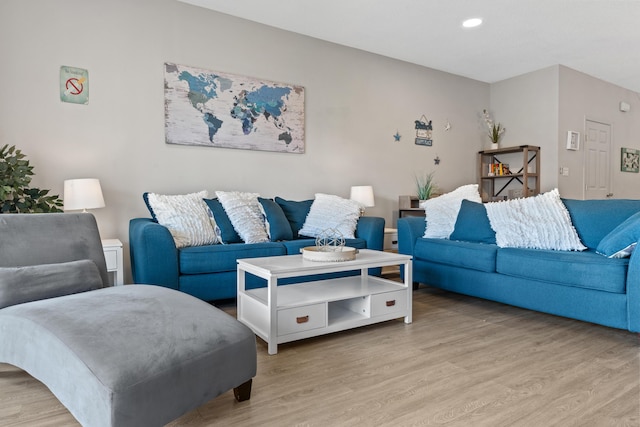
(371, 229)
(409, 230)
(154, 256)
(633, 291)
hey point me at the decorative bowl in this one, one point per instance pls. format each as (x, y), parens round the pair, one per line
(329, 253)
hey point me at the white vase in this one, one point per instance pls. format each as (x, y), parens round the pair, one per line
(495, 146)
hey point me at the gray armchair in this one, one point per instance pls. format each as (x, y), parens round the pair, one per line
(134, 355)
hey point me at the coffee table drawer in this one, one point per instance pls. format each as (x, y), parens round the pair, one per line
(299, 319)
(388, 302)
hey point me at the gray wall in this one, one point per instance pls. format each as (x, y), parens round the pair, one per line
(584, 97)
(355, 103)
(527, 106)
(540, 107)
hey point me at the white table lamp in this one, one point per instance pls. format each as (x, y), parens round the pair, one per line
(82, 194)
(363, 194)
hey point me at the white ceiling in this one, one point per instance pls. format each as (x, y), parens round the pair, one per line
(598, 37)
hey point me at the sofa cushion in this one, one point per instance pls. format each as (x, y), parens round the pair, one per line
(578, 269)
(622, 240)
(329, 213)
(185, 216)
(224, 228)
(296, 213)
(441, 212)
(276, 222)
(294, 246)
(459, 254)
(539, 222)
(244, 212)
(594, 219)
(219, 258)
(31, 283)
(472, 224)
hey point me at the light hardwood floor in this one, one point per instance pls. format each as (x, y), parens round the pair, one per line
(463, 362)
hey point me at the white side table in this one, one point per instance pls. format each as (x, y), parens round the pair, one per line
(113, 256)
(390, 245)
(390, 239)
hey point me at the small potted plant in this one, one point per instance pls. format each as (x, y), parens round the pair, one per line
(15, 194)
(495, 130)
(425, 185)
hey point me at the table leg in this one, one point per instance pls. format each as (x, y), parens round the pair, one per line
(272, 303)
(409, 284)
(241, 289)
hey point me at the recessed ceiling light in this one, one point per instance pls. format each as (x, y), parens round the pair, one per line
(472, 22)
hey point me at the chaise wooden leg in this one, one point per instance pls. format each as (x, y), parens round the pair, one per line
(416, 285)
(243, 391)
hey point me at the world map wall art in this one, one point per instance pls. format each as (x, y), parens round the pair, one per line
(215, 109)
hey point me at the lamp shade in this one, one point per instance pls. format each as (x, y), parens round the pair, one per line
(363, 194)
(82, 194)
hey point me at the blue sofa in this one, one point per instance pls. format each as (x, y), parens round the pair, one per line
(209, 272)
(581, 285)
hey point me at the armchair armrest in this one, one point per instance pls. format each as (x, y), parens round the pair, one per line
(409, 230)
(371, 229)
(154, 256)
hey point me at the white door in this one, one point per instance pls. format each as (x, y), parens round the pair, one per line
(597, 160)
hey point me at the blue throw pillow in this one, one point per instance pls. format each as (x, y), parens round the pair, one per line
(227, 233)
(621, 241)
(296, 213)
(593, 219)
(472, 224)
(277, 223)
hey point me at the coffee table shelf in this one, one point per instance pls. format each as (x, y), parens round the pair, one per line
(280, 314)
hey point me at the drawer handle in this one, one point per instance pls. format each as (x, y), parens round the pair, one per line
(391, 303)
(302, 319)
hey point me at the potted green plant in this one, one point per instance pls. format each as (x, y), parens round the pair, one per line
(425, 186)
(495, 130)
(15, 194)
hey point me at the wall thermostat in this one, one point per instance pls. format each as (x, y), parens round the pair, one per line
(624, 107)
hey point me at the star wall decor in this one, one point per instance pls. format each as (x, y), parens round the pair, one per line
(397, 136)
(436, 161)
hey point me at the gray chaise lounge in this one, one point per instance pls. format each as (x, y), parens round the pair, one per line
(119, 356)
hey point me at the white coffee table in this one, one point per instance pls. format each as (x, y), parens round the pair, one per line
(280, 314)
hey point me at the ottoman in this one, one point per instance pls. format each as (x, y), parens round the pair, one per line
(130, 355)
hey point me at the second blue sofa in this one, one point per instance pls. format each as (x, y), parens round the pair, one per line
(581, 285)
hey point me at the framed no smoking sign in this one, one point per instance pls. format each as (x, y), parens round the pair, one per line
(74, 85)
